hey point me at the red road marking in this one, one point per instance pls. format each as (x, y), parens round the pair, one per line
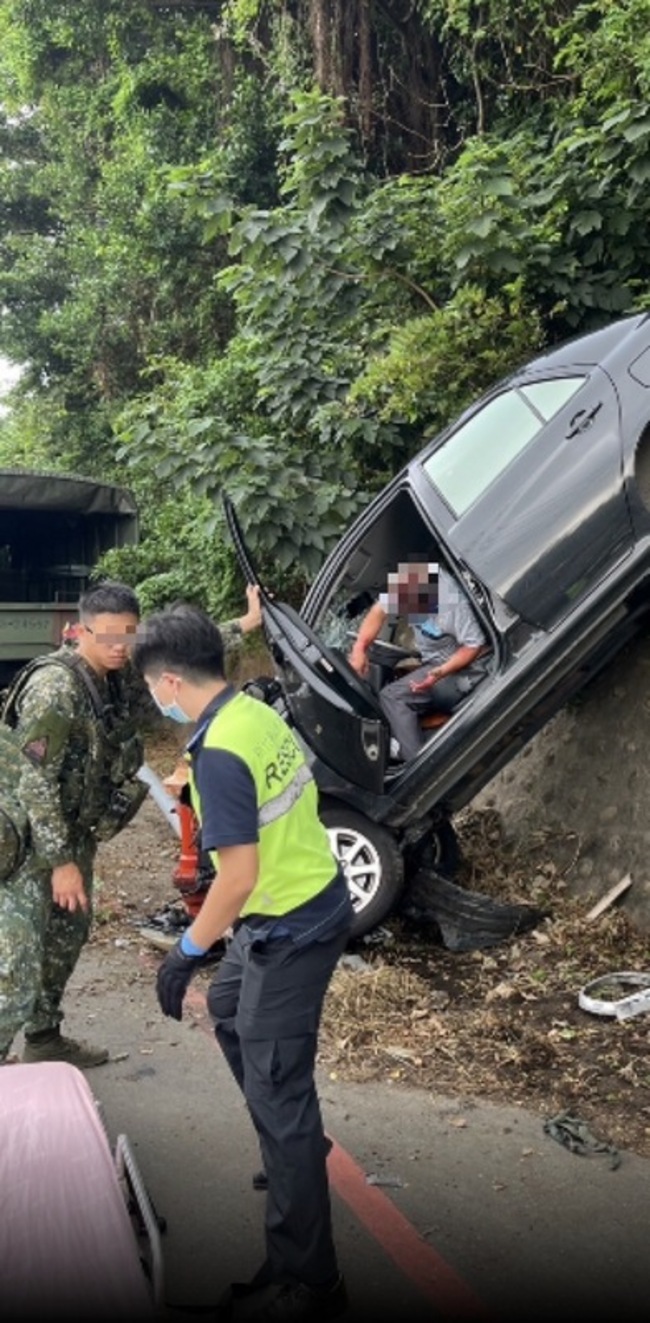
(425, 1268)
(416, 1259)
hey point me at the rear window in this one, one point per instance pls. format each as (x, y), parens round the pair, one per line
(469, 461)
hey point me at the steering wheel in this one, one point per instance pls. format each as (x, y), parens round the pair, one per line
(389, 654)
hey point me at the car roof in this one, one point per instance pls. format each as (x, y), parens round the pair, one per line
(584, 350)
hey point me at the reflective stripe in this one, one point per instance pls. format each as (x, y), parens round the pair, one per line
(276, 808)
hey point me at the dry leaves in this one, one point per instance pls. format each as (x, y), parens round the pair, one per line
(503, 1024)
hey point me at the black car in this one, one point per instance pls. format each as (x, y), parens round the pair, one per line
(538, 500)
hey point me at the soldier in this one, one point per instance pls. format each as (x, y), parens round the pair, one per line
(80, 732)
(79, 715)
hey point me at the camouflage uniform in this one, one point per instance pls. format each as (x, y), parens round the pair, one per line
(75, 764)
(232, 634)
(77, 780)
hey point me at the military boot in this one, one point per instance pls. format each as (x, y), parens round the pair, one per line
(54, 1046)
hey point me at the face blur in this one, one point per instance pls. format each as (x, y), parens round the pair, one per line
(409, 590)
(106, 640)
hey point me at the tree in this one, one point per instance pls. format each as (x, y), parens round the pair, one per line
(267, 244)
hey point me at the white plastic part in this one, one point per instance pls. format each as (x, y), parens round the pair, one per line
(591, 998)
(166, 802)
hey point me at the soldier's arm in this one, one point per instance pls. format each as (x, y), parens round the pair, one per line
(232, 631)
(47, 716)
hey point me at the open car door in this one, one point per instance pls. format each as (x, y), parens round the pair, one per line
(335, 711)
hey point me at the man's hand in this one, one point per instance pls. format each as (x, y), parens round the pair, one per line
(253, 617)
(421, 686)
(358, 660)
(368, 630)
(68, 889)
(173, 977)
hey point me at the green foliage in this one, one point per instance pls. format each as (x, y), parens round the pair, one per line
(247, 425)
(104, 271)
(181, 556)
(435, 365)
(193, 431)
(222, 277)
(23, 443)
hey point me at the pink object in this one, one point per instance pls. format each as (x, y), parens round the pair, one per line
(68, 1248)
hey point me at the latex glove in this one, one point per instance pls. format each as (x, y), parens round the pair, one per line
(173, 977)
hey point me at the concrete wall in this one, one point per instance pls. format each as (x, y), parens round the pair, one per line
(579, 793)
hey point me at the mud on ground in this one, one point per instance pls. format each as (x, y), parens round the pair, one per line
(503, 1024)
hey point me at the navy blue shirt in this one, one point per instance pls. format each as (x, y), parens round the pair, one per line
(229, 812)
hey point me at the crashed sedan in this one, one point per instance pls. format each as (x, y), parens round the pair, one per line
(537, 500)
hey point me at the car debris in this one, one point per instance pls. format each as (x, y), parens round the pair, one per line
(610, 994)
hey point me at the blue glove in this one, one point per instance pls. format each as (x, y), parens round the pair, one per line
(173, 977)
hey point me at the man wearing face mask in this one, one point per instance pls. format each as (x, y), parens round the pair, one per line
(232, 633)
(279, 889)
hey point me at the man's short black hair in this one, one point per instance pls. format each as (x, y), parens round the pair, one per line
(108, 598)
(182, 638)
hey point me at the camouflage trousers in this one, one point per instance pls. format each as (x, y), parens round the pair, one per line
(40, 944)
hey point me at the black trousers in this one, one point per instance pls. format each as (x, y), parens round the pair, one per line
(266, 1000)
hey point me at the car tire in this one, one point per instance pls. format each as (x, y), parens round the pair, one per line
(371, 861)
(439, 850)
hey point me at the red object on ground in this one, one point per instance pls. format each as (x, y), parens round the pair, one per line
(188, 876)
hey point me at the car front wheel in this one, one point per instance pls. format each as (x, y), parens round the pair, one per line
(438, 850)
(371, 862)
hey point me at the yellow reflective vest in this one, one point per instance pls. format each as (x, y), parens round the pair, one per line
(295, 858)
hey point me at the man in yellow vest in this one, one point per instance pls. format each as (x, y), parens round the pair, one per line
(279, 889)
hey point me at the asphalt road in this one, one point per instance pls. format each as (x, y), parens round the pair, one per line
(443, 1208)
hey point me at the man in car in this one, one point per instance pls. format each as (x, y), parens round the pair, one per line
(448, 637)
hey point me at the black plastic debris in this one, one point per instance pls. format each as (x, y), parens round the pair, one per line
(468, 921)
(576, 1136)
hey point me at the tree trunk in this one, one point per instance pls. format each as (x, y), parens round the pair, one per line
(387, 65)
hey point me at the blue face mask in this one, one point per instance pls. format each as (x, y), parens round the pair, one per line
(177, 714)
(171, 710)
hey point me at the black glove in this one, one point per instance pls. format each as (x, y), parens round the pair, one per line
(173, 977)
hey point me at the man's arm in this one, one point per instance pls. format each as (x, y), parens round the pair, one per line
(48, 713)
(238, 868)
(459, 660)
(232, 630)
(223, 904)
(367, 633)
(227, 792)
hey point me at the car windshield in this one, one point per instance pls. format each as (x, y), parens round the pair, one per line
(475, 454)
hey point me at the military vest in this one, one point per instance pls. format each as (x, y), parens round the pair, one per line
(14, 823)
(295, 859)
(99, 791)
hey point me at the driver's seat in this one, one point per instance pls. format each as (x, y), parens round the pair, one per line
(432, 720)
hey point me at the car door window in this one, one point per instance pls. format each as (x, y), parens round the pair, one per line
(465, 465)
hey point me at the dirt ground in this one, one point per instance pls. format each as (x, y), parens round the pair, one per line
(502, 1024)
